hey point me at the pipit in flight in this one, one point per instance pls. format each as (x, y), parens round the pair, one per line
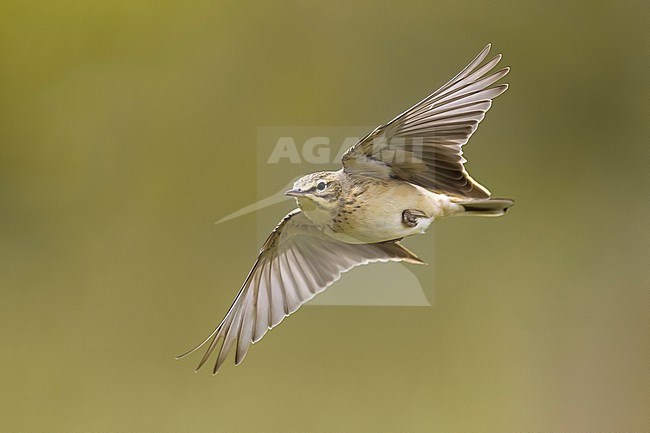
(394, 183)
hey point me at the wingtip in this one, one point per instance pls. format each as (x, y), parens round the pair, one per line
(485, 51)
(183, 355)
(239, 358)
(500, 89)
(413, 258)
(189, 352)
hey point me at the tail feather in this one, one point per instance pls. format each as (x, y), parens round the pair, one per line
(486, 207)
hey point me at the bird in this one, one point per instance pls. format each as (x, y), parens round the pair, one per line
(394, 183)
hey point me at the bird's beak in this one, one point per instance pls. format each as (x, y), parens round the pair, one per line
(294, 193)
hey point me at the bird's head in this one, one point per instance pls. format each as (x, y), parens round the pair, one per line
(321, 189)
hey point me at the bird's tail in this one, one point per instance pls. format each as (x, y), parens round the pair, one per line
(486, 207)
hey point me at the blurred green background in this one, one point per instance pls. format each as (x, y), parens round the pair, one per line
(128, 128)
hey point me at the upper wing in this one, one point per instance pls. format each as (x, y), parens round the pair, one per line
(423, 145)
(296, 262)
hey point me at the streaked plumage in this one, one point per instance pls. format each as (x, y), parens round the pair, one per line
(394, 183)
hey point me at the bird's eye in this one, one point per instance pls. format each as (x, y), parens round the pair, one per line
(321, 186)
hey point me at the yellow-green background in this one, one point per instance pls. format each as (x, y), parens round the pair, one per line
(128, 128)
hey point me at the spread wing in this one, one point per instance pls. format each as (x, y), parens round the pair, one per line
(423, 145)
(296, 262)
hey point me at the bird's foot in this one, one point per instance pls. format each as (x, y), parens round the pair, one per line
(410, 217)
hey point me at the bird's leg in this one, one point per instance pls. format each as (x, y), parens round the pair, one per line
(410, 217)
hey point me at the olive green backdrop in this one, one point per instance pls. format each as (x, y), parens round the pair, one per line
(128, 128)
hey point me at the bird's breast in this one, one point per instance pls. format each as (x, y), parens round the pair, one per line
(374, 213)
